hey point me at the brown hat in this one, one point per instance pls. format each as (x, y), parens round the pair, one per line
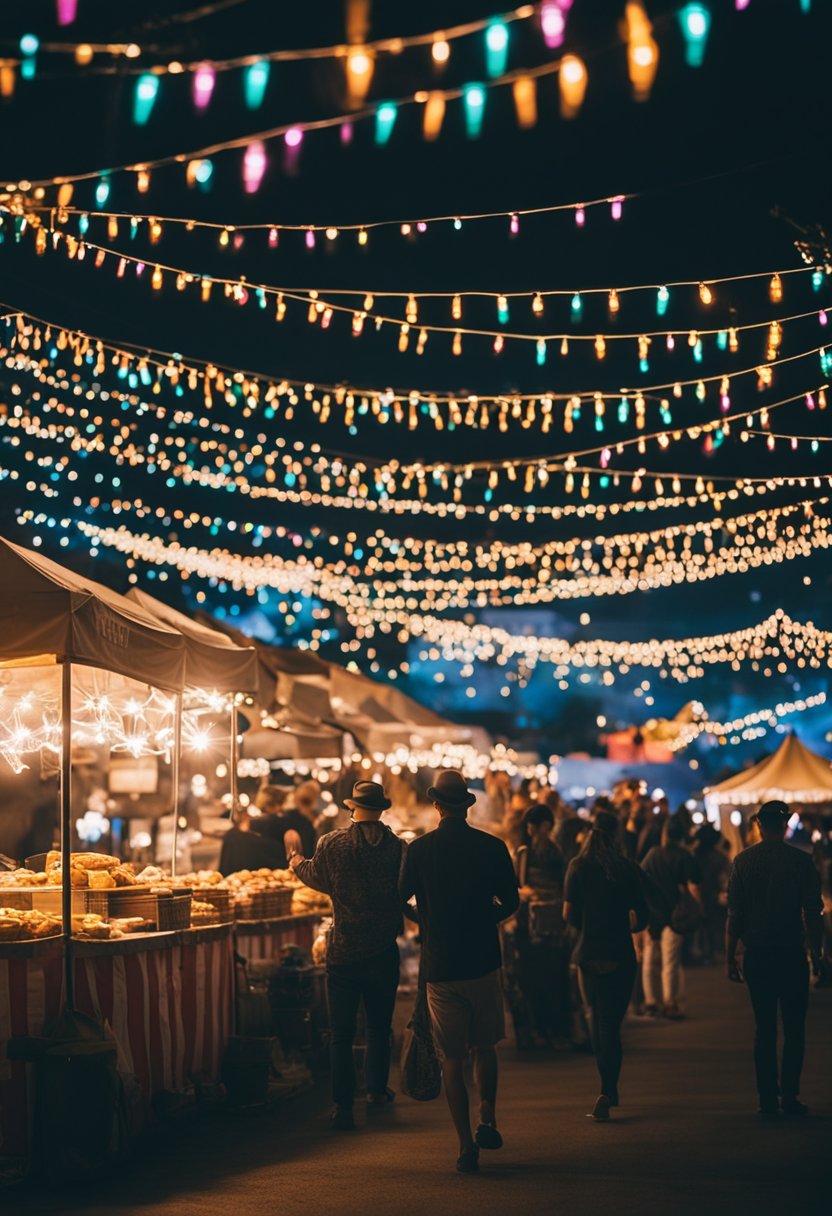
(450, 789)
(368, 796)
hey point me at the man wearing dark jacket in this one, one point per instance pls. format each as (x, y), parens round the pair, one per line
(464, 885)
(360, 868)
(774, 907)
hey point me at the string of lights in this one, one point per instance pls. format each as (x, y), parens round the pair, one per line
(315, 468)
(149, 369)
(438, 40)
(383, 553)
(396, 603)
(777, 638)
(571, 70)
(407, 227)
(748, 726)
(320, 310)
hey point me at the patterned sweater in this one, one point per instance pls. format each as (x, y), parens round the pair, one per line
(358, 868)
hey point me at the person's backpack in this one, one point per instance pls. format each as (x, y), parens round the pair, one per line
(659, 909)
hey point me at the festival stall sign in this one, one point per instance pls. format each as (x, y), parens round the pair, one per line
(793, 773)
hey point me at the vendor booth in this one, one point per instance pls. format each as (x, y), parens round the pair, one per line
(793, 773)
(149, 958)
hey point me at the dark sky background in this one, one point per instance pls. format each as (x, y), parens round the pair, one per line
(712, 154)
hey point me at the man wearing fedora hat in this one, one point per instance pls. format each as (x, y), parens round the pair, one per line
(464, 885)
(775, 909)
(360, 868)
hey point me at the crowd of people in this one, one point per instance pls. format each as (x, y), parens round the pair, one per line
(570, 919)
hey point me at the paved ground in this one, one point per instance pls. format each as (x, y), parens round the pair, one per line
(687, 1140)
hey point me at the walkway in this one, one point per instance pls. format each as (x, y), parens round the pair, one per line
(687, 1141)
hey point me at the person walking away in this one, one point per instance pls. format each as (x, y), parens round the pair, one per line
(604, 901)
(360, 868)
(675, 871)
(464, 886)
(714, 869)
(775, 909)
(539, 941)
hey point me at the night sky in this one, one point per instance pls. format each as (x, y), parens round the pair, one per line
(712, 157)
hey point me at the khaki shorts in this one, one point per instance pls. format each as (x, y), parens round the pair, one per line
(466, 1014)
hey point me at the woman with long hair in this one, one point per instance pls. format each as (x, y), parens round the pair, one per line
(604, 901)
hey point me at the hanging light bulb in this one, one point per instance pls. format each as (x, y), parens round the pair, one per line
(617, 207)
(254, 166)
(440, 51)
(537, 304)
(577, 306)
(775, 289)
(662, 300)
(705, 294)
(474, 100)
(552, 24)
(502, 310)
(29, 45)
(385, 121)
(255, 80)
(434, 116)
(359, 73)
(199, 173)
(573, 80)
(456, 308)
(102, 191)
(496, 48)
(67, 11)
(202, 85)
(695, 20)
(525, 101)
(292, 142)
(580, 216)
(613, 302)
(600, 346)
(642, 51)
(540, 349)
(147, 90)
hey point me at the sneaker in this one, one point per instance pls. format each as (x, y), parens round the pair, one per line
(650, 1011)
(768, 1110)
(794, 1108)
(468, 1162)
(342, 1118)
(601, 1109)
(487, 1136)
(673, 1013)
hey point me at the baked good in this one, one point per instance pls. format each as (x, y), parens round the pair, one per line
(100, 880)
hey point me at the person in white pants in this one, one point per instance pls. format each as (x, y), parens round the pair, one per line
(674, 870)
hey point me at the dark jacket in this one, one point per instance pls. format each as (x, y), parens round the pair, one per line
(464, 885)
(248, 851)
(774, 899)
(275, 827)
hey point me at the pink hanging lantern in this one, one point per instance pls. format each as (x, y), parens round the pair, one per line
(254, 166)
(202, 85)
(67, 11)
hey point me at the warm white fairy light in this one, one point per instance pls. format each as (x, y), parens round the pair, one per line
(747, 543)
(748, 726)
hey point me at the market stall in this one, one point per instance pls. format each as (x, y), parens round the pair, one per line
(793, 773)
(96, 666)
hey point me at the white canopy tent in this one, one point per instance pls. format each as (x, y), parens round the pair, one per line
(792, 773)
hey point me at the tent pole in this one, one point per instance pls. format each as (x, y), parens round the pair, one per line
(175, 777)
(232, 771)
(66, 834)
